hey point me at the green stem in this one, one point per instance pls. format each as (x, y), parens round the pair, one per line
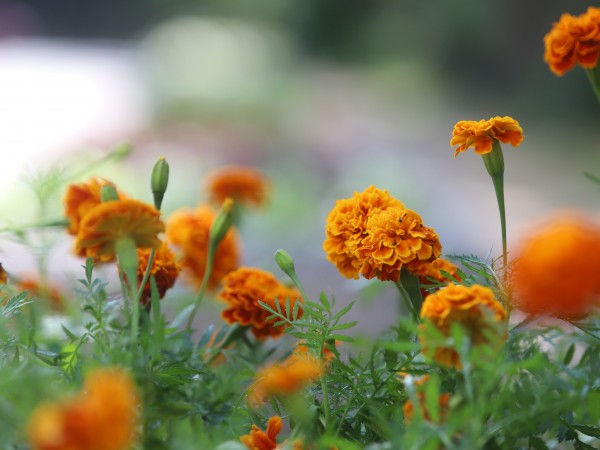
(494, 163)
(138, 295)
(499, 188)
(325, 399)
(594, 77)
(207, 273)
(128, 261)
(407, 301)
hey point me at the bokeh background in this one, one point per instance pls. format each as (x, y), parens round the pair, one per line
(325, 96)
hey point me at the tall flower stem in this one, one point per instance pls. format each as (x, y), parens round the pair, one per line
(128, 261)
(494, 163)
(207, 273)
(594, 77)
(408, 287)
(138, 295)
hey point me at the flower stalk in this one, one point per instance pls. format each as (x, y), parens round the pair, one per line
(218, 230)
(494, 163)
(594, 77)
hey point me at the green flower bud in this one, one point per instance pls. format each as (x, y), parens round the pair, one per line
(108, 194)
(222, 223)
(159, 180)
(285, 262)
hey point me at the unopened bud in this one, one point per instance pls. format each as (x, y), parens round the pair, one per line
(159, 180)
(108, 193)
(222, 222)
(285, 262)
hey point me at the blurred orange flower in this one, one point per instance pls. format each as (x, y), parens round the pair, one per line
(444, 403)
(396, 238)
(104, 224)
(573, 40)
(80, 198)
(104, 416)
(164, 269)
(48, 292)
(259, 440)
(557, 270)
(473, 307)
(244, 185)
(346, 227)
(189, 231)
(480, 135)
(242, 290)
(295, 373)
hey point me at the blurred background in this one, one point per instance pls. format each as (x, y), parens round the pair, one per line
(324, 96)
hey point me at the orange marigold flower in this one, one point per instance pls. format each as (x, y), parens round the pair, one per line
(49, 292)
(286, 378)
(164, 269)
(80, 198)
(396, 238)
(557, 270)
(244, 288)
(244, 185)
(573, 40)
(480, 135)
(103, 416)
(257, 439)
(104, 224)
(473, 307)
(346, 228)
(189, 231)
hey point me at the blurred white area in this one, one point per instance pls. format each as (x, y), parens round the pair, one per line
(58, 96)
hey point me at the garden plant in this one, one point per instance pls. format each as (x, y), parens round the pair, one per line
(494, 353)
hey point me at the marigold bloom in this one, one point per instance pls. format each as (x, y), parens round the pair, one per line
(102, 417)
(189, 231)
(557, 270)
(396, 238)
(286, 378)
(244, 288)
(573, 40)
(244, 185)
(49, 292)
(80, 198)
(473, 307)
(480, 135)
(257, 439)
(164, 269)
(104, 224)
(346, 227)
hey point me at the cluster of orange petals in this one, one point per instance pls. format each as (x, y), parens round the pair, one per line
(481, 135)
(104, 224)
(573, 40)
(557, 270)
(295, 373)
(257, 439)
(443, 406)
(473, 307)
(189, 231)
(165, 271)
(374, 235)
(436, 272)
(244, 288)
(104, 416)
(80, 198)
(244, 185)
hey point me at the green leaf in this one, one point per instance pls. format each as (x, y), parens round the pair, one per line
(569, 355)
(343, 311)
(587, 430)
